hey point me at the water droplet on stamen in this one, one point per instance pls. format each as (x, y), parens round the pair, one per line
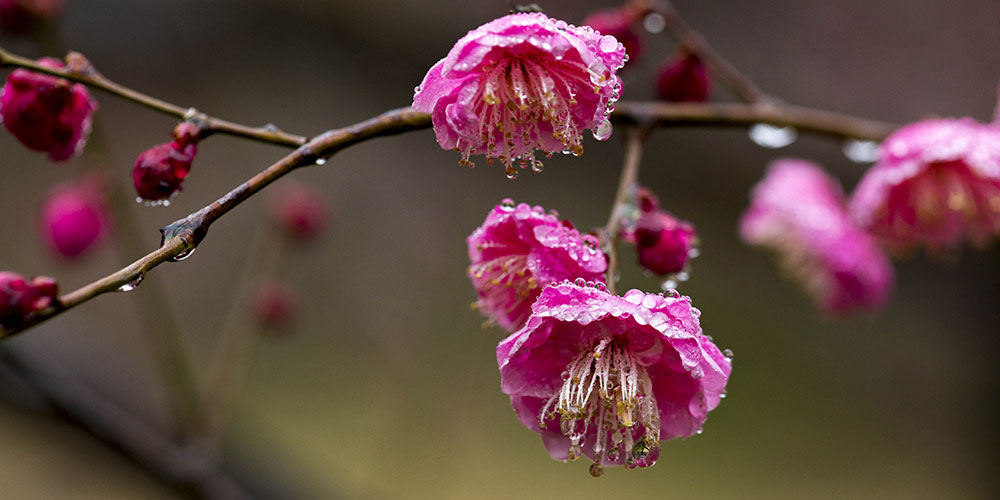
(861, 151)
(769, 136)
(596, 470)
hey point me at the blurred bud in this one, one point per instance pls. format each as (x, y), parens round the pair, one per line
(299, 211)
(22, 16)
(664, 244)
(46, 113)
(620, 23)
(20, 297)
(683, 78)
(276, 306)
(160, 170)
(74, 218)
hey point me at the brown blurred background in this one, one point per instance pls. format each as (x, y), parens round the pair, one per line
(389, 388)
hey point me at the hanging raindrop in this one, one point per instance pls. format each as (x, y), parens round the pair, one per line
(861, 151)
(769, 136)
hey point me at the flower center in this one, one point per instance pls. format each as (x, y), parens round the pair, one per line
(505, 283)
(520, 102)
(607, 390)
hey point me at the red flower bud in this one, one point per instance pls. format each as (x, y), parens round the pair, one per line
(19, 297)
(160, 170)
(299, 211)
(46, 113)
(664, 244)
(74, 218)
(276, 306)
(683, 78)
(22, 16)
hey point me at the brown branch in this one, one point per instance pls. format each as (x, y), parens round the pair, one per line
(79, 69)
(626, 186)
(693, 41)
(181, 237)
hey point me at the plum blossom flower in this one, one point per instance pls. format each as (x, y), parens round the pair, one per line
(20, 297)
(46, 113)
(517, 251)
(521, 82)
(936, 183)
(620, 23)
(798, 210)
(665, 244)
(74, 218)
(609, 377)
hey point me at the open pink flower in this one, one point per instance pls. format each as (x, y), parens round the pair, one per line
(664, 243)
(74, 218)
(621, 23)
(798, 210)
(522, 82)
(937, 183)
(46, 113)
(609, 377)
(517, 251)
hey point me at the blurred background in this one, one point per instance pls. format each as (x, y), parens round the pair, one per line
(388, 387)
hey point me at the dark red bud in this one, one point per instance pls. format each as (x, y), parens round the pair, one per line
(683, 78)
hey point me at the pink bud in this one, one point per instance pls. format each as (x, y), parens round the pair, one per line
(160, 170)
(683, 78)
(299, 211)
(46, 113)
(621, 24)
(276, 306)
(664, 243)
(22, 16)
(19, 297)
(74, 218)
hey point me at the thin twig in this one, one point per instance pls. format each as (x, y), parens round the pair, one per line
(80, 70)
(693, 41)
(626, 185)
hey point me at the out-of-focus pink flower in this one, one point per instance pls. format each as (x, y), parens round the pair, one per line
(609, 377)
(664, 244)
(798, 210)
(299, 211)
(276, 306)
(936, 183)
(517, 251)
(683, 78)
(160, 170)
(621, 24)
(522, 82)
(74, 218)
(20, 297)
(21, 16)
(46, 113)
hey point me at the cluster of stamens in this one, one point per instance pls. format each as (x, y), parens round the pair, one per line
(504, 275)
(607, 391)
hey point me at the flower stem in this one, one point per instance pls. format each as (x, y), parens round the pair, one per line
(634, 141)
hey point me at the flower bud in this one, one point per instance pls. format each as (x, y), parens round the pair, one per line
(74, 218)
(276, 306)
(664, 243)
(299, 211)
(160, 170)
(683, 78)
(22, 16)
(46, 113)
(621, 24)
(20, 297)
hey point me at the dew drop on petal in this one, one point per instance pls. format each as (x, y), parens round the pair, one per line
(861, 151)
(769, 136)
(608, 43)
(603, 131)
(507, 205)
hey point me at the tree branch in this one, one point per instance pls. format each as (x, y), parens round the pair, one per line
(79, 69)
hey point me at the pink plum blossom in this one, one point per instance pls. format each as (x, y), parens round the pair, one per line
(517, 251)
(46, 113)
(683, 78)
(798, 210)
(936, 183)
(620, 23)
(74, 218)
(609, 377)
(664, 244)
(521, 82)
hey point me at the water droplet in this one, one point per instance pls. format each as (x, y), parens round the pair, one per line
(769, 136)
(132, 285)
(507, 205)
(596, 470)
(608, 44)
(694, 252)
(165, 203)
(511, 172)
(861, 151)
(699, 431)
(537, 167)
(321, 161)
(654, 23)
(728, 353)
(138, 199)
(683, 276)
(580, 282)
(668, 285)
(603, 130)
(184, 255)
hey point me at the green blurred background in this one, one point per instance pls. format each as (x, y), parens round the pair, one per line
(389, 388)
